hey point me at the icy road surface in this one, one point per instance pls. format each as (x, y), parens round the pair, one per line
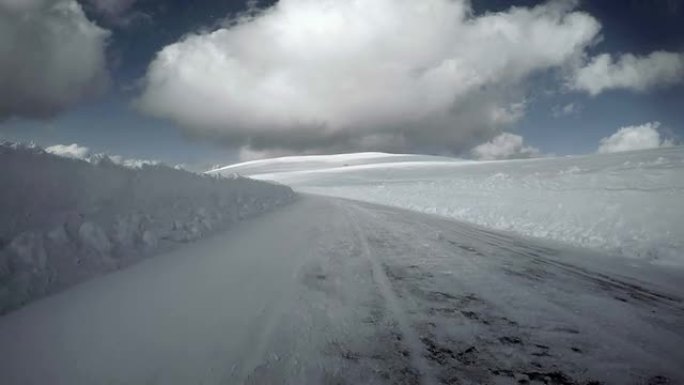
(332, 291)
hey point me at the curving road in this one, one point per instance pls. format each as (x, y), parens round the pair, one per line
(339, 292)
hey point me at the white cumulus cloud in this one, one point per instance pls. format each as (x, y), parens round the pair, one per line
(566, 110)
(630, 72)
(330, 75)
(51, 56)
(631, 138)
(504, 146)
(70, 151)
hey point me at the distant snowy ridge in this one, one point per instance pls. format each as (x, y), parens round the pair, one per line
(76, 151)
(326, 162)
(63, 220)
(629, 203)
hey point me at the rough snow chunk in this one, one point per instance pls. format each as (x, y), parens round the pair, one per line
(93, 237)
(28, 251)
(149, 239)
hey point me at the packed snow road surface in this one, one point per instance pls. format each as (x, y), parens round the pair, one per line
(333, 291)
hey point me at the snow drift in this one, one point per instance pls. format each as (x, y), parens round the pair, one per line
(626, 203)
(63, 220)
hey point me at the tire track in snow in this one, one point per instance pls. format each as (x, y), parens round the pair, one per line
(271, 314)
(262, 333)
(410, 339)
(494, 253)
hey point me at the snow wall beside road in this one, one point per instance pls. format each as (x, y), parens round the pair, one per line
(64, 220)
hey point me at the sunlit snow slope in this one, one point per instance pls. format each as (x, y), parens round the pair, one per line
(626, 203)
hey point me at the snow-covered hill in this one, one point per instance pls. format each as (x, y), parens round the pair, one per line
(63, 220)
(324, 162)
(625, 203)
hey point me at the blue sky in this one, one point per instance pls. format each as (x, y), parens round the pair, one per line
(111, 122)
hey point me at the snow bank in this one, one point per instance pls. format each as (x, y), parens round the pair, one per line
(63, 220)
(630, 203)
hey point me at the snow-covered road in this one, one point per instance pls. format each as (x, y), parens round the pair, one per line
(334, 291)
